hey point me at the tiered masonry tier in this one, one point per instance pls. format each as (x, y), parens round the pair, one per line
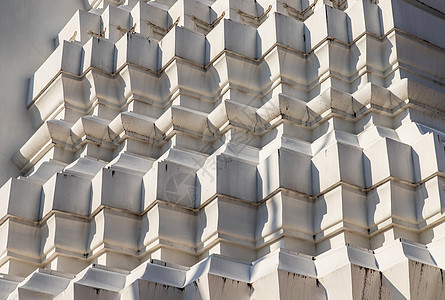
(199, 149)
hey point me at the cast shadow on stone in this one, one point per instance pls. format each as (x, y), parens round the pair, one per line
(320, 209)
(373, 201)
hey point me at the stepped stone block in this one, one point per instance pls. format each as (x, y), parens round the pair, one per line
(396, 161)
(233, 8)
(65, 235)
(129, 49)
(427, 160)
(26, 245)
(188, 12)
(228, 176)
(274, 170)
(98, 54)
(164, 231)
(154, 290)
(341, 206)
(98, 282)
(116, 22)
(392, 199)
(171, 183)
(53, 284)
(358, 267)
(328, 167)
(9, 283)
(151, 20)
(110, 229)
(67, 264)
(333, 24)
(303, 278)
(365, 282)
(292, 215)
(286, 285)
(118, 189)
(221, 287)
(80, 27)
(421, 275)
(209, 149)
(280, 29)
(230, 31)
(396, 15)
(364, 18)
(211, 221)
(430, 198)
(68, 193)
(21, 198)
(66, 57)
(177, 40)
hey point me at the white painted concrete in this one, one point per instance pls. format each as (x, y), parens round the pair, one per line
(232, 149)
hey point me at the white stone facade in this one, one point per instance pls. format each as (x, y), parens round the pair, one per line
(227, 149)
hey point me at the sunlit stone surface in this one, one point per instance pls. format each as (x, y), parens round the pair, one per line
(199, 149)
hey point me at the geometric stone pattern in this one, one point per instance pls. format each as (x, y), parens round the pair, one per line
(222, 149)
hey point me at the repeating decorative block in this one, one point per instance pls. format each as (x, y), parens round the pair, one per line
(210, 149)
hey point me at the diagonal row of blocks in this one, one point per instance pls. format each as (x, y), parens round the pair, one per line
(280, 275)
(99, 60)
(340, 193)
